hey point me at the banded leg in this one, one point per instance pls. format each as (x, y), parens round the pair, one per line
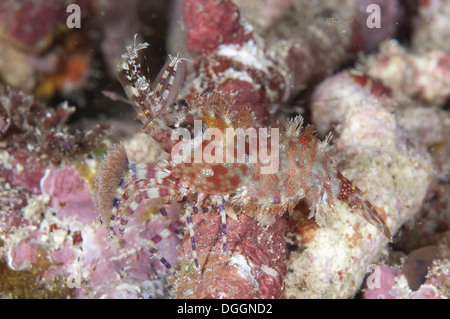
(130, 195)
(144, 177)
(121, 197)
(223, 216)
(142, 171)
(190, 225)
(174, 229)
(150, 193)
(148, 171)
(168, 82)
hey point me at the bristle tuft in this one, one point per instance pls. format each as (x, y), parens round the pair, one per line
(110, 173)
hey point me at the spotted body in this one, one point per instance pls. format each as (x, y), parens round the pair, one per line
(302, 164)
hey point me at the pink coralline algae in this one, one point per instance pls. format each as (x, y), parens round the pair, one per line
(393, 283)
(51, 241)
(75, 247)
(69, 194)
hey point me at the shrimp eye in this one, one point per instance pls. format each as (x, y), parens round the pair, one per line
(189, 125)
(183, 102)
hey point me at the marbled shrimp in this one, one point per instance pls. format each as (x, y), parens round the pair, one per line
(304, 166)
